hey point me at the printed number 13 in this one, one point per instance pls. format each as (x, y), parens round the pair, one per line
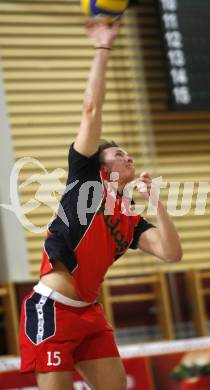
(56, 359)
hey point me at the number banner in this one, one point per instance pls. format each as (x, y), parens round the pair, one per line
(185, 30)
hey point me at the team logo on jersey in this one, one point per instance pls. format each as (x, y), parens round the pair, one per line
(115, 230)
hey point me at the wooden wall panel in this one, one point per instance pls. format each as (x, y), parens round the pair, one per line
(46, 58)
(182, 143)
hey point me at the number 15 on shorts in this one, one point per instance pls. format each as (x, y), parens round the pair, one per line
(54, 358)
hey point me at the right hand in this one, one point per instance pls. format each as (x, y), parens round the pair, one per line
(102, 34)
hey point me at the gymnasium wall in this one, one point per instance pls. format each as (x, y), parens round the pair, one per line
(46, 58)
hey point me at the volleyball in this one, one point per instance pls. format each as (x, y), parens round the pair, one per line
(103, 8)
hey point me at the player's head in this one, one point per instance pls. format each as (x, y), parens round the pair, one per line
(113, 158)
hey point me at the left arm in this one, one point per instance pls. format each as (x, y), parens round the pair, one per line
(162, 241)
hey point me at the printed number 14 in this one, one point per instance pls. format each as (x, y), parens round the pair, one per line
(56, 358)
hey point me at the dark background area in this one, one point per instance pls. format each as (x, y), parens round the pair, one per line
(194, 26)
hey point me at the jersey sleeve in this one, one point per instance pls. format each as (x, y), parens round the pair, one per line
(82, 167)
(142, 226)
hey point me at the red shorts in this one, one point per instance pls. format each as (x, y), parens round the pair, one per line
(55, 337)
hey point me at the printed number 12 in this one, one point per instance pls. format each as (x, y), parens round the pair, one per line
(56, 359)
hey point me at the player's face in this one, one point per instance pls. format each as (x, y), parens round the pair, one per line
(116, 159)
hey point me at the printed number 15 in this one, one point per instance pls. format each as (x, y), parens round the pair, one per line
(56, 359)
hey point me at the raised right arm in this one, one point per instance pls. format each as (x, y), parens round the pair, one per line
(87, 140)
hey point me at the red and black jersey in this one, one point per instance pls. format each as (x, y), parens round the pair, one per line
(83, 236)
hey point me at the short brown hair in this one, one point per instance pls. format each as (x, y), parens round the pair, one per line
(104, 144)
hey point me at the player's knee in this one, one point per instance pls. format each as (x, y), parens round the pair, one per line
(122, 382)
(115, 382)
(54, 381)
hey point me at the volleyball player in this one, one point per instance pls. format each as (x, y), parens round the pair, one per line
(62, 324)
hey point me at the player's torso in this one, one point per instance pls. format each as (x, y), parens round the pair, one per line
(93, 230)
(107, 238)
